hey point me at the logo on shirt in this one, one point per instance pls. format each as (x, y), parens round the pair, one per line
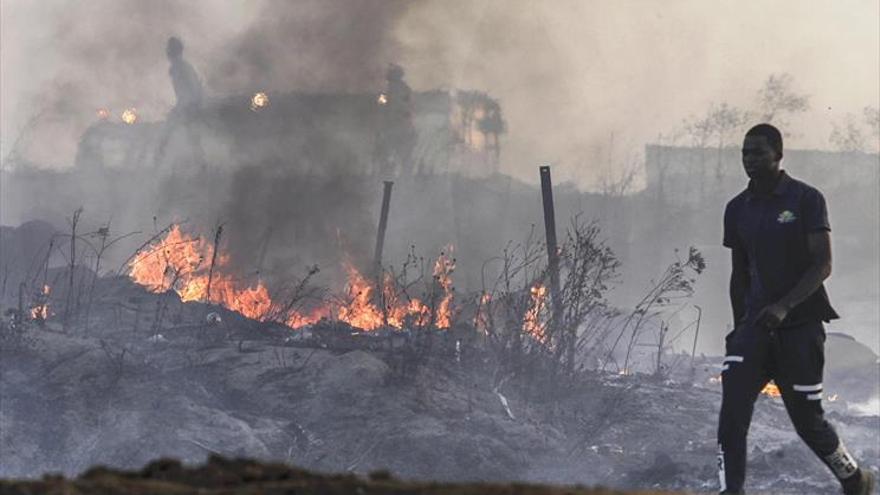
(786, 217)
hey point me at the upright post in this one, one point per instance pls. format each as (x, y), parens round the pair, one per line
(19, 317)
(383, 224)
(696, 334)
(552, 251)
(217, 236)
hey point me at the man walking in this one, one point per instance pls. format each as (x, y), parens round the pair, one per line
(779, 235)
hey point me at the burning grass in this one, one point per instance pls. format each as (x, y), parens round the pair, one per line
(200, 271)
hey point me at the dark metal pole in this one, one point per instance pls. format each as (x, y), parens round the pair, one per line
(696, 333)
(213, 262)
(383, 224)
(552, 249)
(19, 317)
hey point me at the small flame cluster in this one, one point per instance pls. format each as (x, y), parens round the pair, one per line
(259, 101)
(443, 268)
(482, 316)
(130, 115)
(364, 311)
(397, 310)
(182, 263)
(40, 310)
(771, 390)
(534, 321)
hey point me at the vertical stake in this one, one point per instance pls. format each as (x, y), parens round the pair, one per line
(552, 249)
(696, 334)
(19, 317)
(383, 224)
(379, 297)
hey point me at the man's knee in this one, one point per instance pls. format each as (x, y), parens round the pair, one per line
(810, 424)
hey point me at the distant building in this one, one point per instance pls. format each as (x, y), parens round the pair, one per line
(692, 176)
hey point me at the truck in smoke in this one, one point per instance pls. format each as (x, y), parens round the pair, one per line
(452, 131)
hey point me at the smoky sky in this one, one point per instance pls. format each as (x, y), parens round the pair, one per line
(583, 84)
(65, 60)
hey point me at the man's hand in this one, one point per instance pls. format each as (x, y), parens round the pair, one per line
(772, 316)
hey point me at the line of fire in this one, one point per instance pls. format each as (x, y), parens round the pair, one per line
(350, 282)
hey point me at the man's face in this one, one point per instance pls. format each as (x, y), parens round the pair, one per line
(759, 158)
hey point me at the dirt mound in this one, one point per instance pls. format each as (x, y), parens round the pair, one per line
(240, 477)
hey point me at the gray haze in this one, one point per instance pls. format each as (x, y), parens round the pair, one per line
(581, 83)
(591, 87)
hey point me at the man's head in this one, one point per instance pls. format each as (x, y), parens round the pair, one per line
(762, 151)
(174, 48)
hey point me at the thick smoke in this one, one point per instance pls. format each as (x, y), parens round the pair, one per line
(111, 55)
(582, 86)
(313, 45)
(63, 61)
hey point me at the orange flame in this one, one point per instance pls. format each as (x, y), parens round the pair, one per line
(481, 318)
(443, 268)
(130, 116)
(771, 390)
(360, 311)
(41, 310)
(364, 312)
(532, 320)
(181, 263)
(259, 101)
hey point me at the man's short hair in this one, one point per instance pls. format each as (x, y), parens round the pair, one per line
(771, 134)
(175, 46)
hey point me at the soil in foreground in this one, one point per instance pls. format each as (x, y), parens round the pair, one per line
(240, 476)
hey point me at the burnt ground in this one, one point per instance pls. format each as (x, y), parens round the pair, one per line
(149, 379)
(241, 477)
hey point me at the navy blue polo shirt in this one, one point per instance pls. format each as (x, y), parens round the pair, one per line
(772, 230)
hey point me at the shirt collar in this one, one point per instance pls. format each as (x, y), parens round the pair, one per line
(780, 188)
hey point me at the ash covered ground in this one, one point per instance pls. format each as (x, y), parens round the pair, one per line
(116, 370)
(127, 391)
(201, 280)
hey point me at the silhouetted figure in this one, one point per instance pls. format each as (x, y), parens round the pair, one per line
(778, 232)
(184, 115)
(396, 137)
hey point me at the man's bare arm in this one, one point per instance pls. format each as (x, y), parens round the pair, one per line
(739, 283)
(819, 248)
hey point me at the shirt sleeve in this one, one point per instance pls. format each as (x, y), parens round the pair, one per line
(730, 238)
(815, 212)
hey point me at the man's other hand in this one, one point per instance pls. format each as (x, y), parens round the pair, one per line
(772, 316)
